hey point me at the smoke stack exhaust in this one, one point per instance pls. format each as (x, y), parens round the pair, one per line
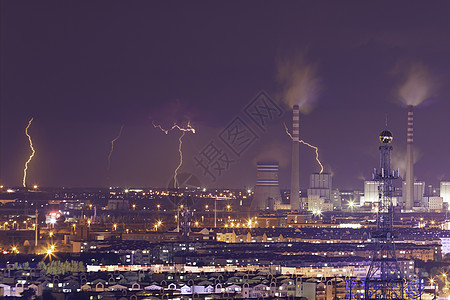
(295, 180)
(409, 178)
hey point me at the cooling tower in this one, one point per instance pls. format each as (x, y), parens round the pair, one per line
(409, 178)
(295, 180)
(267, 190)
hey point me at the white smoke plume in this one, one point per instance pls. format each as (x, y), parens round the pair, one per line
(398, 159)
(273, 153)
(301, 84)
(416, 85)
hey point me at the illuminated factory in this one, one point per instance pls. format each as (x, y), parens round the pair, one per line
(320, 184)
(320, 192)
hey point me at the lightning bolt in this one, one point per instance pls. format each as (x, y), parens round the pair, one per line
(188, 128)
(31, 156)
(307, 144)
(112, 146)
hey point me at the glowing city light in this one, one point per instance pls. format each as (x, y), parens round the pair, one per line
(112, 146)
(317, 212)
(188, 128)
(351, 204)
(307, 144)
(24, 182)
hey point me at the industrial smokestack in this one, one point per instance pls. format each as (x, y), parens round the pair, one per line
(409, 178)
(295, 180)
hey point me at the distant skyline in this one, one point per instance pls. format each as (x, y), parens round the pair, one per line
(83, 69)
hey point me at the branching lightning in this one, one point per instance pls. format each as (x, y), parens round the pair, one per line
(112, 146)
(307, 144)
(188, 128)
(31, 156)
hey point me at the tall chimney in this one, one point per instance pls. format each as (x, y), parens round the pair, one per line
(295, 180)
(409, 178)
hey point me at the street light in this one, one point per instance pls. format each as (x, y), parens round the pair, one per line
(433, 283)
(444, 276)
(49, 251)
(351, 204)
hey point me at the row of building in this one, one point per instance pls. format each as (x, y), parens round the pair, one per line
(320, 196)
(179, 281)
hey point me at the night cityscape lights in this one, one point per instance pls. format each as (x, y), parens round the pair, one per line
(157, 163)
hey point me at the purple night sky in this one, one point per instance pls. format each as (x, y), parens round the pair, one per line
(84, 68)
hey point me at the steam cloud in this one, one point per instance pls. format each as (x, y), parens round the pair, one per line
(417, 84)
(273, 153)
(301, 85)
(398, 159)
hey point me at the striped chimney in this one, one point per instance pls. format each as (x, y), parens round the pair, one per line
(295, 180)
(409, 138)
(409, 178)
(296, 123)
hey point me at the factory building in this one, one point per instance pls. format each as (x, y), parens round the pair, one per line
(371, 193)
(267, 190)
(419, 191)
(435, 203)
(445, 191)
(320, 184)
(320, 192)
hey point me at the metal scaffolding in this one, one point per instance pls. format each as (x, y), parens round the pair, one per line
(384, 279)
